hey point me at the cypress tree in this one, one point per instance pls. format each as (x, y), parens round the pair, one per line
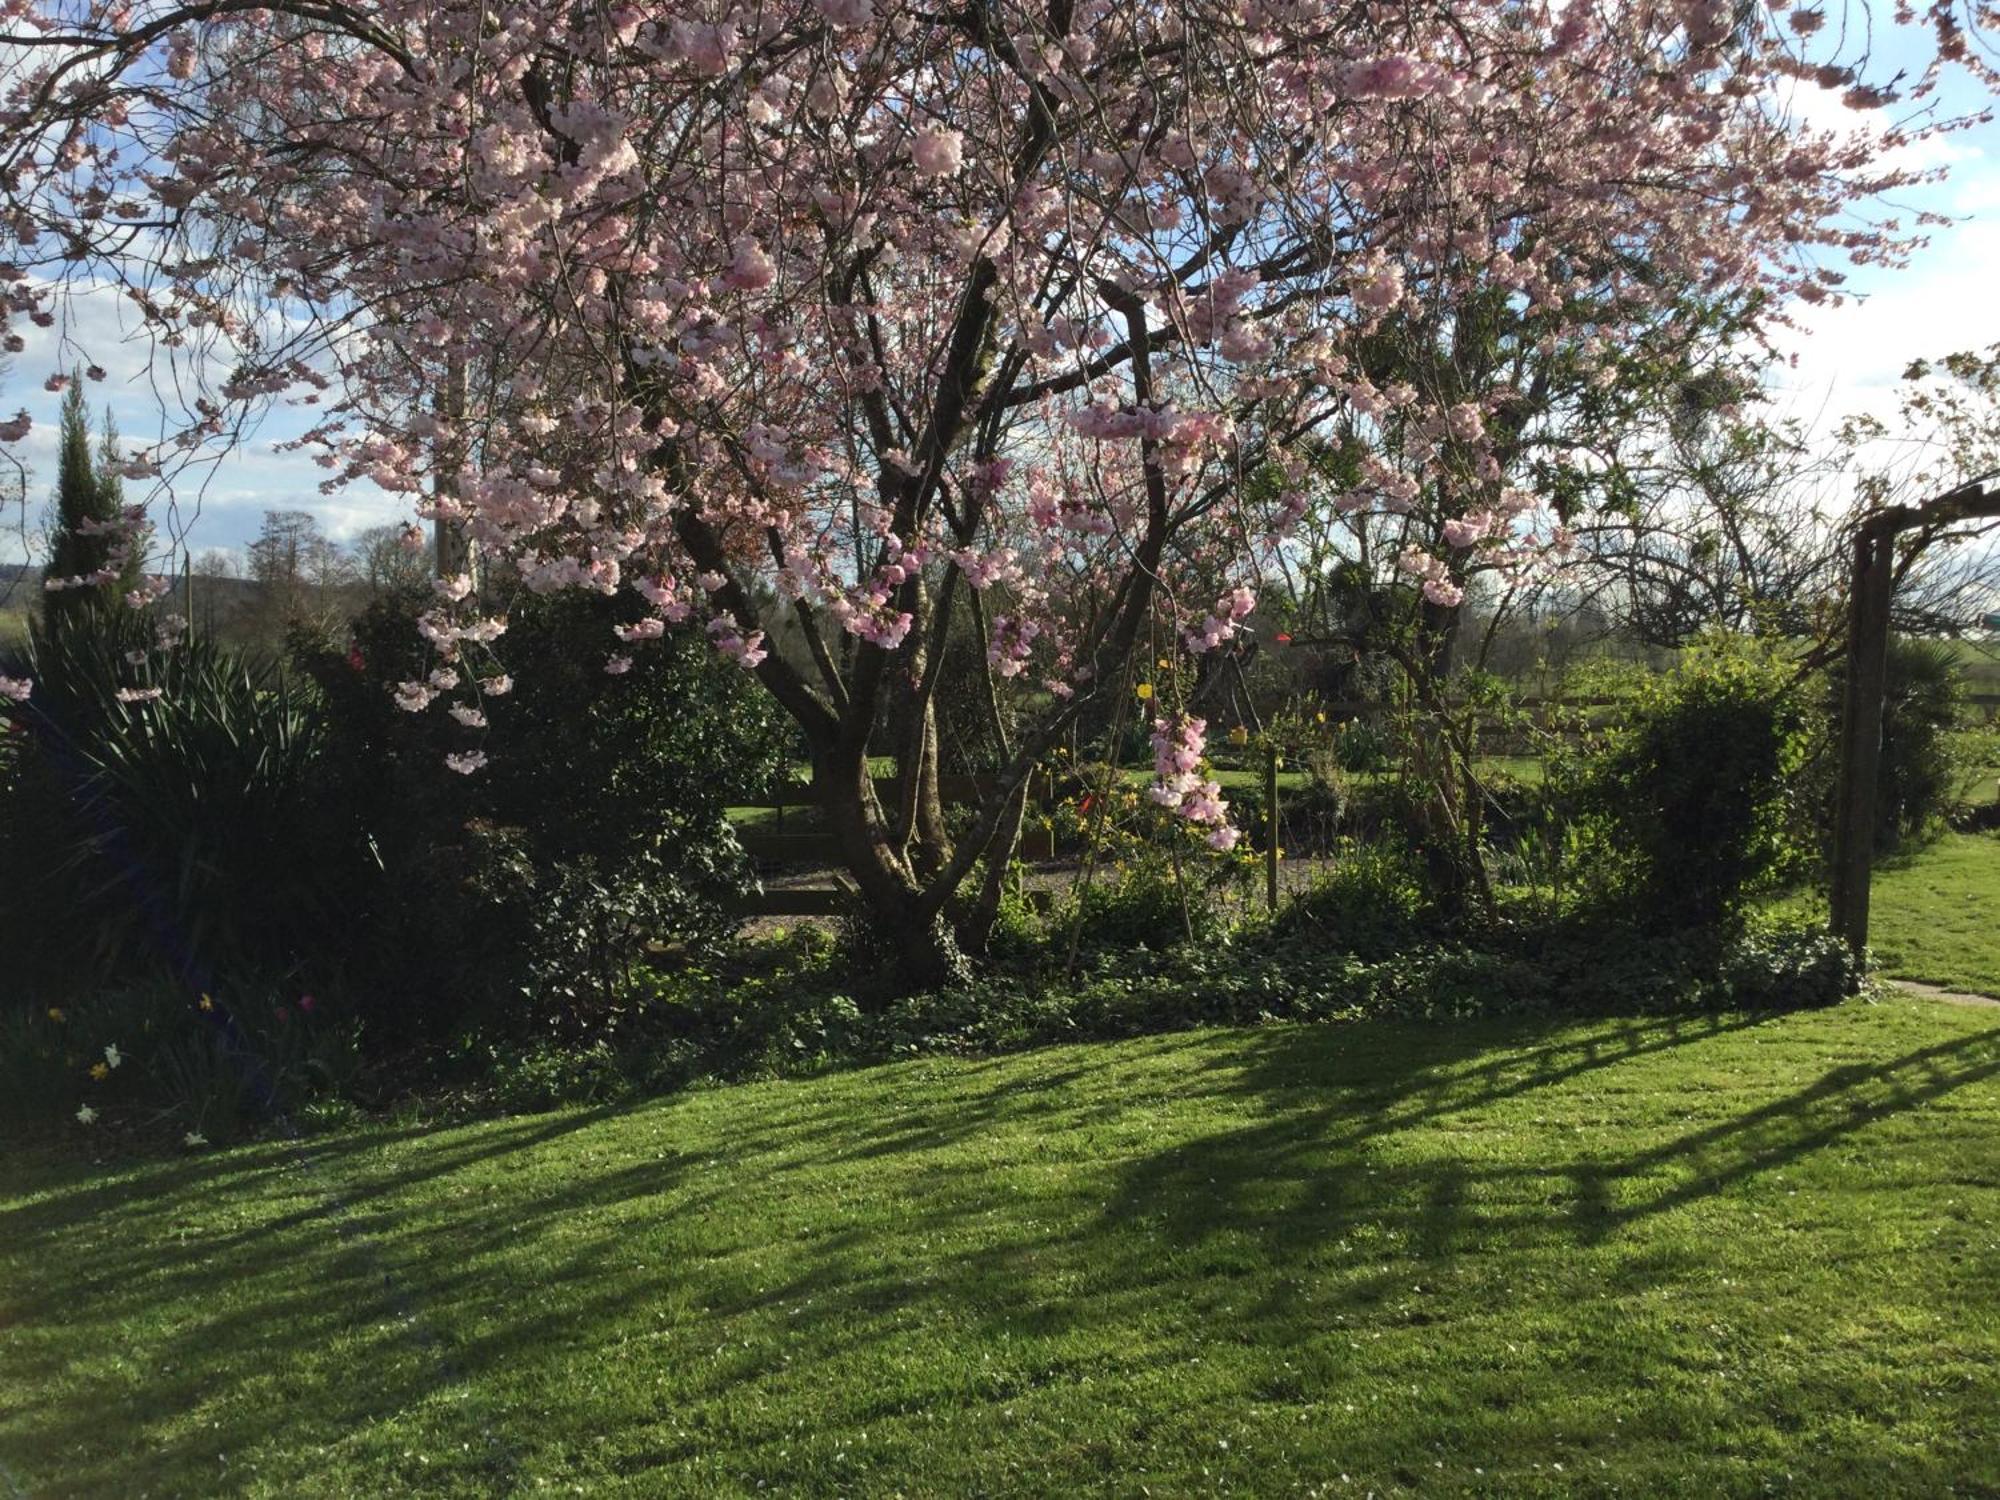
(87, 489)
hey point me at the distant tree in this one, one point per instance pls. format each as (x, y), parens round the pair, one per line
(301, 571)
(385, 565)
(218, 562)
(88, 491)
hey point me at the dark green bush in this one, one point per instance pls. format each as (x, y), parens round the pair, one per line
(169, 836)
(528, 892)
(1696, 796)
(1361, 747)
(789, 1009)
(1922, 702)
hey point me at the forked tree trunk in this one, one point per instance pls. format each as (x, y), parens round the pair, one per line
(914, 943)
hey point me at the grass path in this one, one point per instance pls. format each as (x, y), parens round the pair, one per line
(1700, 1258)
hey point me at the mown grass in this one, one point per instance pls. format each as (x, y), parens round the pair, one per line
(1934, 914)
(1700, 1257)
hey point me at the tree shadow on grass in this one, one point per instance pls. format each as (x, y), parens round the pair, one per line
(842, 1254)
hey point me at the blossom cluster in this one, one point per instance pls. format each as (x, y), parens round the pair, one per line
(1179, 785)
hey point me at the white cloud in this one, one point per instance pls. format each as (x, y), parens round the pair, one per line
(214, 504)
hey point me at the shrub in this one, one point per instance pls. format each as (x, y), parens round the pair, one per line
(174, 835)
(1696, 794)
(1361, 747)
(531, 890)
(1370, 903)
(1137, 905)
(1918, 779)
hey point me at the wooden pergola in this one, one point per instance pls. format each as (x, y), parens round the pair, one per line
(1874, 585)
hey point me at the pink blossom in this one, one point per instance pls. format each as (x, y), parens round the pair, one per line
(465, 762)
(140, 695)
(16, 689)
(938, 152)
(750, 269)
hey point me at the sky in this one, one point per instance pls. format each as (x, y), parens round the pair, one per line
(1848, 360)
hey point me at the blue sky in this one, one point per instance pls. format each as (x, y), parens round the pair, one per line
(1849, 358)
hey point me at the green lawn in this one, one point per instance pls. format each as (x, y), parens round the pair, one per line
(1935, 914)
(1701, 1258)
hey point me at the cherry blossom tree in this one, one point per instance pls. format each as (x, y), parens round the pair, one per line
(863, 314)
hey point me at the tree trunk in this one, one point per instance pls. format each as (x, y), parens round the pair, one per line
(976, 930)
(908, 938)
(1449, 843)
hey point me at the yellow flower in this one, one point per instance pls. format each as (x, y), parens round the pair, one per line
(1239, 736)
(99, 1071)
(1145, 691)
(55, 1013)
(1165, 665)
(1320, 716)
(206, 1003)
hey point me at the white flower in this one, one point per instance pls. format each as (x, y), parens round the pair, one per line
(112, 1056)
(194, 1138)
(465, 764)
(86, 1116)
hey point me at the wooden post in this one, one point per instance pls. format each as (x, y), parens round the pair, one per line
(1861, 732)
(1869, 596)
(1271, 829)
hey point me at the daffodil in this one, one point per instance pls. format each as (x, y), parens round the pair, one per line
(99, 1071)
(56, 1013)
(112, 1056)
(1145, 692)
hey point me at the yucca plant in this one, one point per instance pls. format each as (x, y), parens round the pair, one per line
(162, 832)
